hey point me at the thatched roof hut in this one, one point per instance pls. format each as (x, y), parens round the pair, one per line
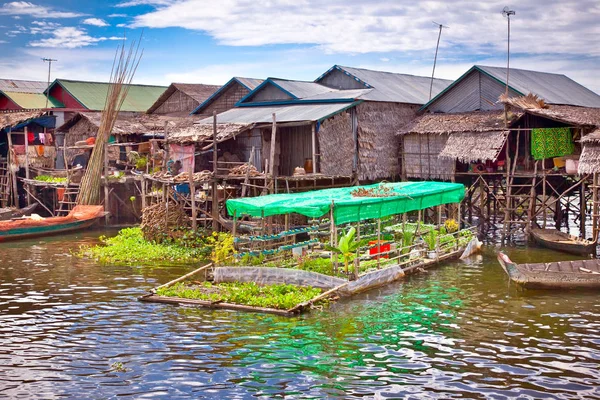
(14, 118)
(203, 133)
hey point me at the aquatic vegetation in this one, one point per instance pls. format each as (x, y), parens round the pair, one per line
(279, 296)
(118, 367)
(130, 247)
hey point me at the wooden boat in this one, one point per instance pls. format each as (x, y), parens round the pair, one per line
(10, 213)
(557, 240)
(80, 217)
(579, 274)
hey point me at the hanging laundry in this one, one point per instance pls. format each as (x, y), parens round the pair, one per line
(185, 154)
(551, 142)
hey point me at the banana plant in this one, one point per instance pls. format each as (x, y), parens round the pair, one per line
(347, 246)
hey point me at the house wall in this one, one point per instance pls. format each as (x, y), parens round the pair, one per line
(476, 91)
(64, 97)
(269, 93)
(336, 79)
(420, 157)
(178, 102)
(336, 146)
(242, 146)
(226, 99)
(378, 143)
(295, 147)
(8, 104)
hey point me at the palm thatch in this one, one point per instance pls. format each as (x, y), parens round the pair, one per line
(528, 102)
(572, 115)
(472, 147)
(13, 118)
(477, 121)
(203, 133)
(589, 161)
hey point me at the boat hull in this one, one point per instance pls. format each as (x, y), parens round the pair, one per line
(567, 244)
(524, 276)
(39, 231)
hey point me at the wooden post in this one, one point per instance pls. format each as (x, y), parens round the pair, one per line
(193, 200)
(272, 153)
(595, 208)
(314, 147)
(215, 194)
(582, 209)
(459, 219)
(106, 202)
(331, 235)
(27, 163)
(234, 229)
(167, 150)
(544, 205)
(13, 174)
(247, 177)
(357, 259)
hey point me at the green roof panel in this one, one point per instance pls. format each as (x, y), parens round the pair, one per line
(93, 95)
(31, 101)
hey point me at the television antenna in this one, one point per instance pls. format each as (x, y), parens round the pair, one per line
(436, 53)
(507, 12)
(49, 61)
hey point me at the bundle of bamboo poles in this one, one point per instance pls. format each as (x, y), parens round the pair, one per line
(124, 67)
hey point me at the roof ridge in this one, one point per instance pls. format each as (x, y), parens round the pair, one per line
(106, 83)
(393, 73)
(521, 69)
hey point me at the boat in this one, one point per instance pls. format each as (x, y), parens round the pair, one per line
(7, 213)
(557, 240)
(578, 274)
(80, 217)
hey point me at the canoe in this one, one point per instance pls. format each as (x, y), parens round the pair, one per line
(80, 217)
(557, 240)
(579, 274)
(10, 213)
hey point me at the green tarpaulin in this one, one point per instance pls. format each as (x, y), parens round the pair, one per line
(407, 196)
(551, 142)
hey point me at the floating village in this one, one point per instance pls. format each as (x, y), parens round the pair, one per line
(302, 192)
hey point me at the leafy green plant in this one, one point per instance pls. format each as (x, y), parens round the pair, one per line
(431, 239)
(407, 240)
(347, 246)
(279, 296)
(141, 163)
(50, 179)
(222, 244)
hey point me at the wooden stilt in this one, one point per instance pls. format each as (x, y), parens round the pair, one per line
(215, 193)
(13, 174)
(106, 202)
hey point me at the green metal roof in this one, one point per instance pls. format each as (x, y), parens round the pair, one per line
(92, 95)
(31, 101)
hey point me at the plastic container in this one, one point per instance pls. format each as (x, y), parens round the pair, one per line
(384, 248)
(571, 166)
(559, 162)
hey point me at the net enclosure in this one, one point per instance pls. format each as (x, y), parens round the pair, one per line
(391, 199)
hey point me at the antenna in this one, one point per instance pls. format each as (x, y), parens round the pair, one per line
(507, 12)
(49, 61)
(436, 53)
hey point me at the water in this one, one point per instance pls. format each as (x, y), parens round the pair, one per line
(459, 331)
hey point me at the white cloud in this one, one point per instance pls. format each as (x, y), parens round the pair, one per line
(43, 27)
(356, 26)
(94, 22)
(117, 15)
(26, 8)
(133, 3)
(68, 37)
(3, 41)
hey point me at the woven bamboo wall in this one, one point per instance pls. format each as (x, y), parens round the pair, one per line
(378, 124)
(336, 146)
(226, 100)
(421, 157)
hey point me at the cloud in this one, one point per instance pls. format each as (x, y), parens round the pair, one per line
(359, 27)
(68, 37)
(43, 27)
(133, 3)
(94, 22)
(26, 8)
(117, 15)
(3, 41)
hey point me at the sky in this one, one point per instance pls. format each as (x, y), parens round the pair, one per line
(205, 41)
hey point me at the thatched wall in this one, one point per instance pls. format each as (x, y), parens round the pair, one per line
(226, 100)
(378, 123)
(336, 146)
(82, 130)
(474, 146)
(589, 161)
(421, 157)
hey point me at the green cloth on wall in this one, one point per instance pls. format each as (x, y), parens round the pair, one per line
(551, 142)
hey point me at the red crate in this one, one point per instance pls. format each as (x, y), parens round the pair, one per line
(384, 248)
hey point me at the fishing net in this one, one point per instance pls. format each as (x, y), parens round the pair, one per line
(270, 276)
(79, 213)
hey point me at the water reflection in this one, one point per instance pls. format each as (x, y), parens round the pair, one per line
(458, 331)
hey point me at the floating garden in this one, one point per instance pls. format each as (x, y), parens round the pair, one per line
(288, 252)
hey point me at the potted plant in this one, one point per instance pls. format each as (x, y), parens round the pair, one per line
(431, 242)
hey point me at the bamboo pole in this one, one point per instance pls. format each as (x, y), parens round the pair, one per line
(215, 194)
(182, 278)
(314, 147)
(595, 208)
(13, 174)
(193, 200)
(106, 193)
(582, 209)
(27, 164)
(378, 243)
(272, 153)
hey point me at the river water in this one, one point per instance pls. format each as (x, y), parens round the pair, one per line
(458, 331)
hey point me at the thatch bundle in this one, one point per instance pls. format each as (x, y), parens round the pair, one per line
(120, 81)
(162, 221)
(531, 101)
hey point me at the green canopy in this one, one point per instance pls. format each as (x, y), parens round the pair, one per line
(402, 197)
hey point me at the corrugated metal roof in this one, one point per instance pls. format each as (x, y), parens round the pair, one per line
(31, 101)
(293, 113)
(250, 83)
(93, 94)
(553, 88)
(15, 85)
(394, 87)
(350, 94)
(300, 89)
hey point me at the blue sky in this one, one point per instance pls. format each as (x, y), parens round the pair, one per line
(203, 41)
